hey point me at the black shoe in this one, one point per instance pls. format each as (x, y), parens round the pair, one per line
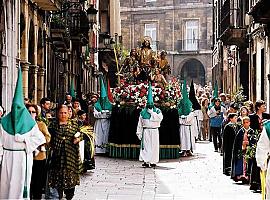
(153, 165)
(216, 150)
(227, 172)
(145, 165)
(255, 187)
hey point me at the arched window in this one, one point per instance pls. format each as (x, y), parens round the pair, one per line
(193, 70)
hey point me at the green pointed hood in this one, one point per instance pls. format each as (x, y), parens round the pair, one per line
(103, 102)
(215, 94)
(149, 104)
(87, 51)
(103, 93)
(184, 105)
(72, 90)
(150, 100)
(18, 121)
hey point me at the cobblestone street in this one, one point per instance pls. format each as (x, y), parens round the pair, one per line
(197, 177)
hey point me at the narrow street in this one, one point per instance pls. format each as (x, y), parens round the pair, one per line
(198, 177)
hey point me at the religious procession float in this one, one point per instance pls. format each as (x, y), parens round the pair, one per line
(135, 72)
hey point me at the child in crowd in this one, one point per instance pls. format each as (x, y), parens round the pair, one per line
(240, 162)
(229, 134)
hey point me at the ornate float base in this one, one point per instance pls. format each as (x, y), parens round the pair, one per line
(132, 151)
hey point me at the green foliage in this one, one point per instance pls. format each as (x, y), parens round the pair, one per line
(239, 97)
(121, 53)
(58, 21)
(251, 149)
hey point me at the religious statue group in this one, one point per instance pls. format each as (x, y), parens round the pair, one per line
(144, 64)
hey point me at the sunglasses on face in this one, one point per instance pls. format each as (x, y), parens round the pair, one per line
(31, 111)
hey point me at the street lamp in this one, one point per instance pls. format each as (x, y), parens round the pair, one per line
(231, 63)
(92, 15)
(107, 40)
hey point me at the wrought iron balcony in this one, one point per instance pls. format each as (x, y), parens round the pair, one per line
(260, 11)
(232, 30)
(59, 33)
(193, 45)
(49, 5)
(79, 25)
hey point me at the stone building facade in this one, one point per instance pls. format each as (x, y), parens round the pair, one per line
(181, 27)
(230, 56)
(259, 50)
(51, 52)
(9, 49)
(241, 48)
(55, 44)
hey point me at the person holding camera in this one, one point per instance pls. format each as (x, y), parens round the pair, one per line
(216, 115)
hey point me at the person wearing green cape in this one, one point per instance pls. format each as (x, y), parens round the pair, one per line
(19, 137)
(187, 137)
(102, 113)
(147, 131)
(262, 154)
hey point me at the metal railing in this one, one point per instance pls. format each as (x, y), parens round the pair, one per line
(231, 16)
(190, 45)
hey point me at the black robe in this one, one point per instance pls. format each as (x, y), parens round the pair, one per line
(254, 121)
(238, 154)
(255, 180)
(229, 134)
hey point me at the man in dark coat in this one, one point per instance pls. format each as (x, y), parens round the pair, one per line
(229, 134)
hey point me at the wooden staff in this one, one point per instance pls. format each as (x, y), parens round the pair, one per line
(117, 66)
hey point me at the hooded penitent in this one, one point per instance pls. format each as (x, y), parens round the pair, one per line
(193, 99)
(215, 94)
(103, 102)
(184, 105)
(72, 90)
(149, 105)
(18, 121)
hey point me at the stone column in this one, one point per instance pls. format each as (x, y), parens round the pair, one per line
(33, 71)
(40, 83)
(115, 20)
(61, 89)
(34, 67)
(24, 48)
(25, 34)
(25, 70)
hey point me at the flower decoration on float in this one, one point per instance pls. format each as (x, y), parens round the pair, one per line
(131, 94)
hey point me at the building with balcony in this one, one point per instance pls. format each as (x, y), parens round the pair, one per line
(181, 27)
(56, 44)
(241, 47)
(230, 57)
(259, 50)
